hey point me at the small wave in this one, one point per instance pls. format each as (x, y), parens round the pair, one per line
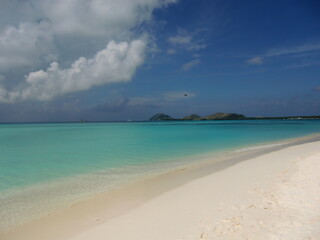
(261, 147)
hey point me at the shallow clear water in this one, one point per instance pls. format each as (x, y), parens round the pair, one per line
(33, 153)
(44, 167)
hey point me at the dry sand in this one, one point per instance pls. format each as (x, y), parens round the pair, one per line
(273, 196)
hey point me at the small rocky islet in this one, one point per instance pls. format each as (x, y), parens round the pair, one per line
(196, 117)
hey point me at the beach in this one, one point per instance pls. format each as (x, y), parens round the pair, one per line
(159, 120)
(271, 196)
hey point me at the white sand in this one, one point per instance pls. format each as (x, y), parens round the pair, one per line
(274, 196)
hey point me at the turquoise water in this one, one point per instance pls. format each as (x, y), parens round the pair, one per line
(45, 167)
(33, 153)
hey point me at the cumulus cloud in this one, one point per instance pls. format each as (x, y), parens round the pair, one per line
(26, 45)
(256, 60)
(190, 64)
(108, 17)
(52, 35)
(116, 63)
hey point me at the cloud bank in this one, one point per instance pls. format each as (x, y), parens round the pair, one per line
(116, 63)
(79, 43)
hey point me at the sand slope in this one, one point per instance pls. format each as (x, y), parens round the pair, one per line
(274, 196)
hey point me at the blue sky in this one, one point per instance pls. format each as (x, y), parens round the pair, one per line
(107, 60)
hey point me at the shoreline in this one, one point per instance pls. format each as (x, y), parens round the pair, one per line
(105, 206)
(38, 201)
(22, 205)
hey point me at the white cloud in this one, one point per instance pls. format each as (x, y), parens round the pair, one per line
(180, 39)
(27, 45)
(94, 17)
(196, 46)
(108, 17)
(190, 64)
(178, 95)
(256, 60)
(185, 40)
(296, 51)
(116, 63)
(293, 50)
(34, 33)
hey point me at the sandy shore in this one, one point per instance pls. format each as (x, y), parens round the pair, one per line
(273, 196)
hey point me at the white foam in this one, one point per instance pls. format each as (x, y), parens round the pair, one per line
(262, 146)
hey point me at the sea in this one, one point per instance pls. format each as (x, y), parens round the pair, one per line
(48, 166)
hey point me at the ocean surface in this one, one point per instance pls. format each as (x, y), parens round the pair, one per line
(46, 166)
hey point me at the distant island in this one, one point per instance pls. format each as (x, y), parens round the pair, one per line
(221, 116)
(196, 117)
(161, 117)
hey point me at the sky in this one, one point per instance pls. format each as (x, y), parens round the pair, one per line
(106, 60)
